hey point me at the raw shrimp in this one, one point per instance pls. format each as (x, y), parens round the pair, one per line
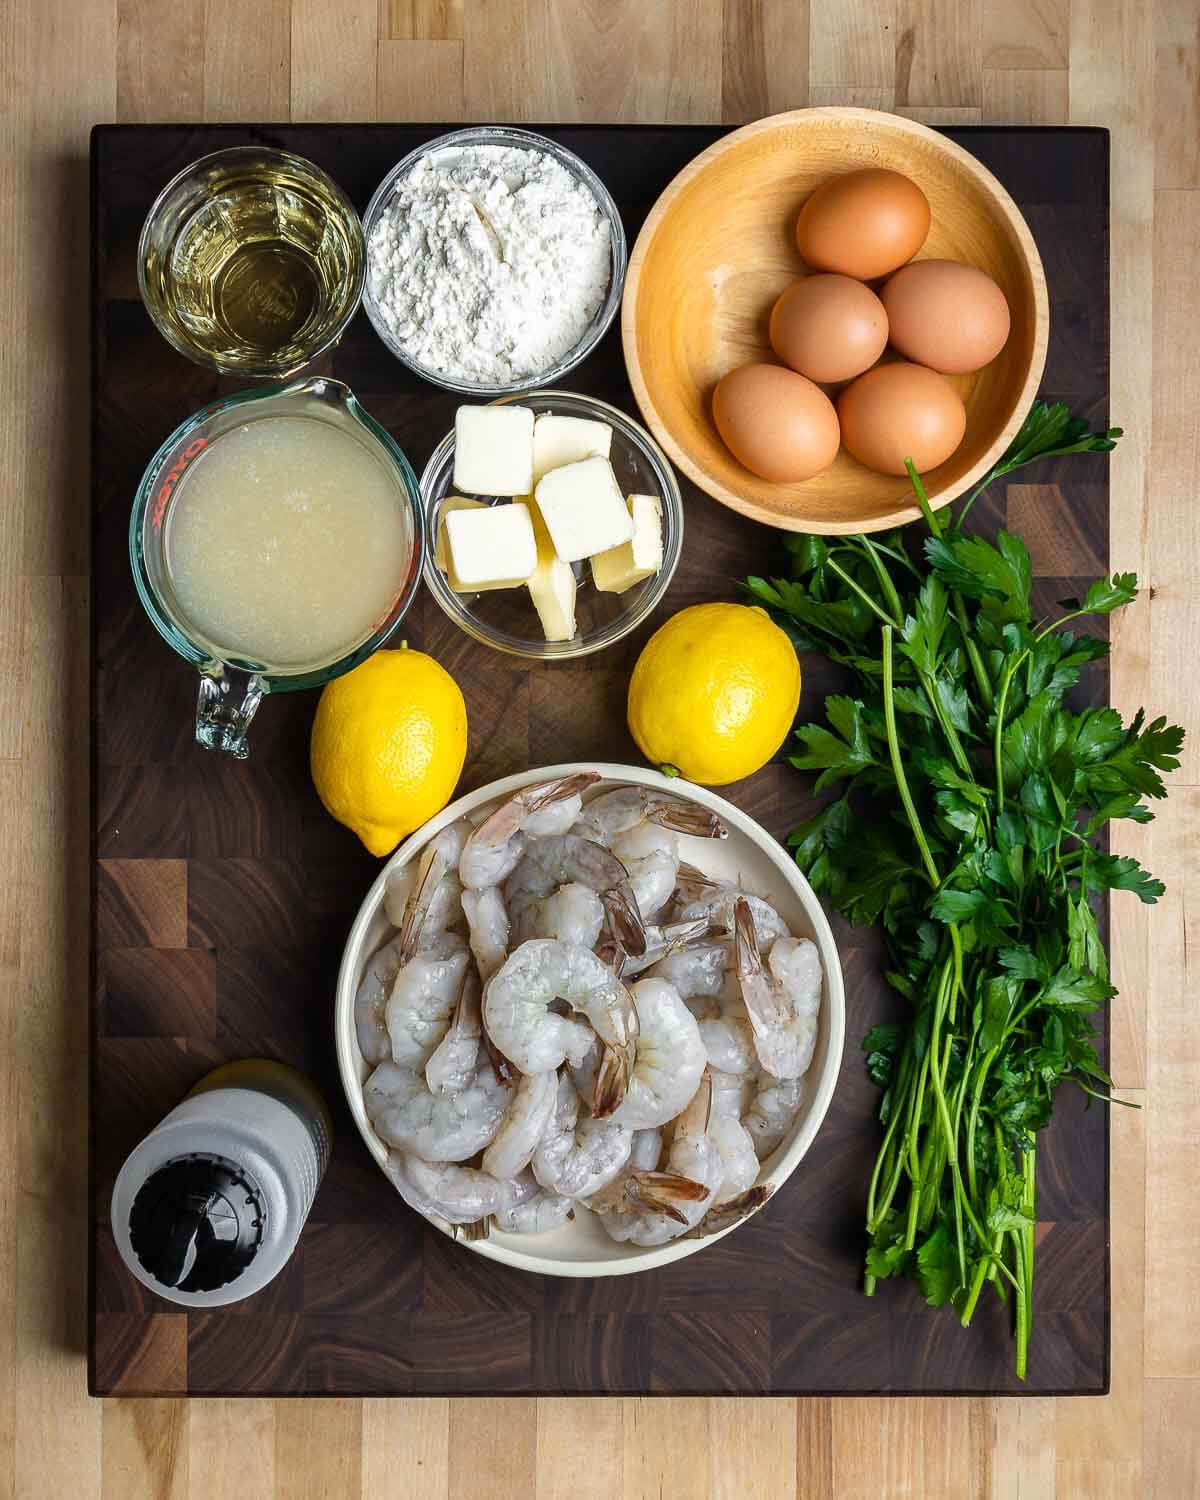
(439, 1127)
(601, 1077)
(530, 1209)
(696, 970)
(650, 854)
(370, 1003)
(616, 812)
(576, 1157)
(773, 1112)
(718, 906)
(434, 903)
(783, 1004)
(639, 825)
(645, 1150)
(729, 1043)
(668, 1060)
(565, 859)
(487, 924)
(422, 1001)
(454, 1061)
(739, 1158)
(517, 1004)
(493, 849)
(524, 1124)
(661, 942)
(692, 884)
(660, 1206)
(460, 1195)
(573, 913)
(733, 1211)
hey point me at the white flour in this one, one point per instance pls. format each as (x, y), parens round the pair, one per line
(489, 263)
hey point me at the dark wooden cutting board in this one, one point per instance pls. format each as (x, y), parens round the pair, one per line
(223, 895)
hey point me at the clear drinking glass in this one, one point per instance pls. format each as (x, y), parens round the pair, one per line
(251, 262)
(232, 687)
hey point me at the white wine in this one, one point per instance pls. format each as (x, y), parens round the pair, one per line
(287, 543)
(252, 261)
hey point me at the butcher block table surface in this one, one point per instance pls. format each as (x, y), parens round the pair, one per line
(223, 894)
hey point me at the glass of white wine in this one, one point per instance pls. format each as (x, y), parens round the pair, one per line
(251, 262)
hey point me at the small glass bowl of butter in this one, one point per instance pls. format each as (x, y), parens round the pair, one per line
(523, 578)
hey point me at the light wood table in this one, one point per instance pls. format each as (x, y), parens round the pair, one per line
(65, 64)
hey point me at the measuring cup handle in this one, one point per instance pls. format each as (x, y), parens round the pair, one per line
(221, 722)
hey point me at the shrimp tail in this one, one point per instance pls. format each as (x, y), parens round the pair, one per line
(478, 1229)
(506, 821)
(501, 1066)
(661, 1191)
(687, 817)
(432, 868)
(758, 993)
(612, 1079)
(692, 884)
(624, 919)
(733, 1211)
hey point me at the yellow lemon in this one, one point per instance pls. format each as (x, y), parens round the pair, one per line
(388, 745)
(714, 693)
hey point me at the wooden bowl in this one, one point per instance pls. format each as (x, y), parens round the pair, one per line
(719, 247)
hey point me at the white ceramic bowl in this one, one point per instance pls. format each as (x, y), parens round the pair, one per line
(757, 861)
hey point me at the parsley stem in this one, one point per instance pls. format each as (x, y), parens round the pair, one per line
(960, 757)
(979, 671)
(945, 985)
(899, 1087)
(973, 1118)
(893, 739)
(1010, 670)
(1029, 1172)
(891, 597)
(1021, 1302)
(931, 519)
(861, 592)
(995, 473)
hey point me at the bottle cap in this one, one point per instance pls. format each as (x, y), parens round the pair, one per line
(197, 1223)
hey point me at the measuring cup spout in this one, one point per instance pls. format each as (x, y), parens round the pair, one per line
(221, 721)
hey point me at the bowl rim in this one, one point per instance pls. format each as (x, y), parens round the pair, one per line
(530, 140)
(354, 955)
(903, 514)
(669, 493)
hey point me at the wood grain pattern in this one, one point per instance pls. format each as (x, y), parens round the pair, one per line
(57, 75)
(271, 885)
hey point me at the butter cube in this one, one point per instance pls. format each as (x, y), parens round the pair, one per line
(493, 450)
(491, 548)
(441, 553)
(583, 509)
(567, 440)
(621, 567)
(551, 585)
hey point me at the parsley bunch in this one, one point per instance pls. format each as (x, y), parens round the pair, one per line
(970, 803)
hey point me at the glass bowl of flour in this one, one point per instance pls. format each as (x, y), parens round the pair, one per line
(495, 261)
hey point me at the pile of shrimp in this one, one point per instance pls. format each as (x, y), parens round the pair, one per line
(566, 1015)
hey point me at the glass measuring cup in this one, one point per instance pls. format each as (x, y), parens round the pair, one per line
(231, 685)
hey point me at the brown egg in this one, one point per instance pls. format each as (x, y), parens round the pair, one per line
(947, 315)
(900, 411)
(863, 224)
(777, 423)
(829, 327)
